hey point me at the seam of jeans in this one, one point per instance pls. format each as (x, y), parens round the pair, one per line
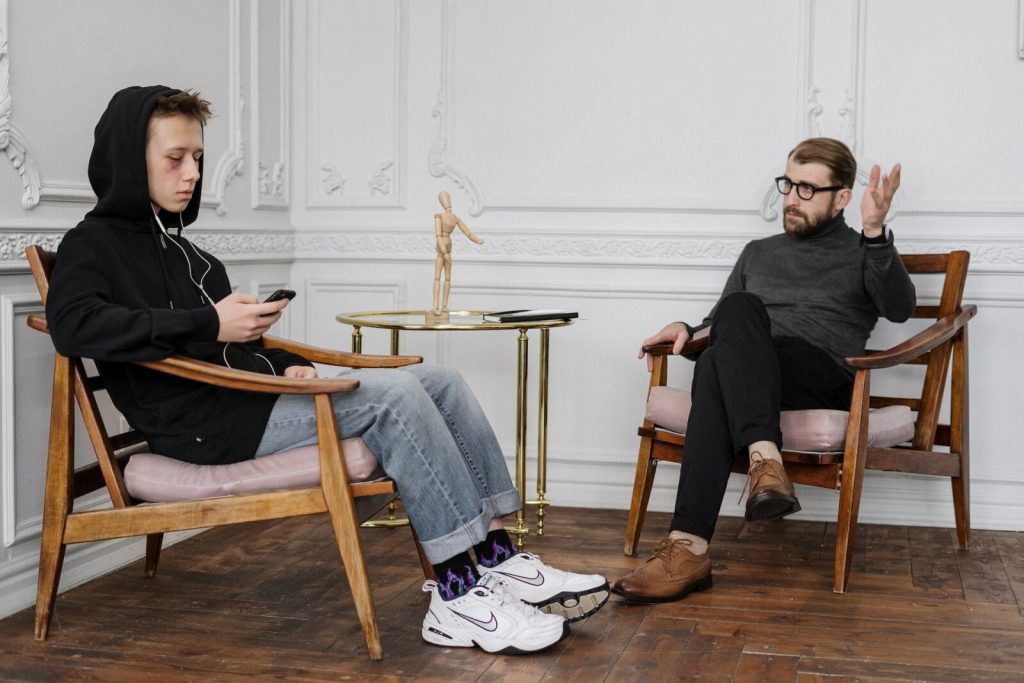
(442, 486)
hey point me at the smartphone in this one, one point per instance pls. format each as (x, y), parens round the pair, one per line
(280, 294)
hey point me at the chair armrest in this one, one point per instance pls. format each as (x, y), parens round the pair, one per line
(695, 344)
(318, 354)
(38, 322)
(938, 332)
(208, 373)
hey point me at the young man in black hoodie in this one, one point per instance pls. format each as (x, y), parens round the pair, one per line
(125, 288)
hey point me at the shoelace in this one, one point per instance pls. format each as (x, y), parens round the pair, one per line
(530, 557)
(500, 589)
(757, 468)
(667, 549)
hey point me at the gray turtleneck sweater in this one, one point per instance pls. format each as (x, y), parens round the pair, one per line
(828, 289)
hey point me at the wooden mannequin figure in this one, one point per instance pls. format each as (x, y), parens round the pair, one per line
(444, 224)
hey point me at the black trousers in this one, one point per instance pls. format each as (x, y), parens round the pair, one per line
(740, 384)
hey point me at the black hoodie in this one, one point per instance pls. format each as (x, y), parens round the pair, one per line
(122, 291)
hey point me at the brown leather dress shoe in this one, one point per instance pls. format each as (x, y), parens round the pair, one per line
(771, 493)
(672, 573)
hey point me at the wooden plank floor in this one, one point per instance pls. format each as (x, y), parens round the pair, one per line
(268, 601)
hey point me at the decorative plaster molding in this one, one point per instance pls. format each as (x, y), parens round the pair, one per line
(12, 141)
(441, 166)
(270, 182)
(258, 244)
(539, 247)
(333, 181)
(13, 245)
(809, 92)
(851, 110)
(274, 245)
(1020, 30)
(380, 181)
(439, 163)
(813, 112)
(768, 203)
(314, 150)
(232, 162)
(269, 186)
(575, 248)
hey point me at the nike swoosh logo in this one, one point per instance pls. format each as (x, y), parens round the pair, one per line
(489, 625)
(536, 580)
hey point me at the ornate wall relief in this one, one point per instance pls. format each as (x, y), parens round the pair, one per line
(12, 141)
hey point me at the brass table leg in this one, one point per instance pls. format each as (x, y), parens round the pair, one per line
(392, 520)
(357, 339)
(520, 530)
(542, 433)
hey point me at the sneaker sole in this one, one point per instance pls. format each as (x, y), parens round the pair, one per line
(437, 636)
(695, 587)
(575, 606)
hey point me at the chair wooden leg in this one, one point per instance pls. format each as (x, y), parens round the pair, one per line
(642, 483)
(59, 495)
(428, 569)
(854, 459)
(342, 511)
(154, 542)
(960, 440)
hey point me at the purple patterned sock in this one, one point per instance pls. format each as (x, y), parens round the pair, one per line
(495, 549)
(455, 576)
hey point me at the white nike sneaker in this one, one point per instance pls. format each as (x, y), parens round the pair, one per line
(573, 596)
(491, 618)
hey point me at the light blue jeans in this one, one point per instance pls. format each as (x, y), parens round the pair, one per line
(430, 435)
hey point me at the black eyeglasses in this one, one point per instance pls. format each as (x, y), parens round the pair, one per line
(803, 190)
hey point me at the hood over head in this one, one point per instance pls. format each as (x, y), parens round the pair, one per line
(117, 167)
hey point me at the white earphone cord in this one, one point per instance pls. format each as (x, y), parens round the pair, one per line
(202, 278)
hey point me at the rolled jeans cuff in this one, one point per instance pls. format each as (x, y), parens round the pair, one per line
(469, 534)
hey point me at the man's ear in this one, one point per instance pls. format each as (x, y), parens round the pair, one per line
(843, 198)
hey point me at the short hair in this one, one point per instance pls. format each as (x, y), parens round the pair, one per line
(185, 103)
(832, 153)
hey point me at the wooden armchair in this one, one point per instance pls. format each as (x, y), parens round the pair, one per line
(334, 494)
(942, 343)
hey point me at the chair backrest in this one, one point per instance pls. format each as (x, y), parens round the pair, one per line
(953, 267)
(112, 451)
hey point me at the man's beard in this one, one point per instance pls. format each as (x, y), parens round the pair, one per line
(811, 225)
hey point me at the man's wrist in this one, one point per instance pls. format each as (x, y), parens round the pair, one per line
(880, 237)
(873, 232)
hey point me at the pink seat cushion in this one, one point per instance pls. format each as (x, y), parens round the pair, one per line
(815, 430)
(159, 479)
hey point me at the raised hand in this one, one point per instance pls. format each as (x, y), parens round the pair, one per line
(877, 199)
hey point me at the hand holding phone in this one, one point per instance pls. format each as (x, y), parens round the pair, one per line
(280, 294)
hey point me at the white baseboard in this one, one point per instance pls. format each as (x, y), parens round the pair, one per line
(887, 498)
(82, 563)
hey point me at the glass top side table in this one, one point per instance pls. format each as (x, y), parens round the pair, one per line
(472, 321)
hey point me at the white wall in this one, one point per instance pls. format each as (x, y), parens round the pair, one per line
(59, 64)
(615, 156)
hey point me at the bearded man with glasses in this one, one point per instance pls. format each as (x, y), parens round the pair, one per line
(793, 307)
